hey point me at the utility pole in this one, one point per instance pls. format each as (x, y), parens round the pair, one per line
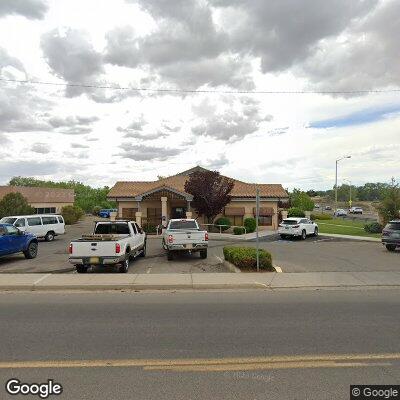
(336, 175)
(257, 238)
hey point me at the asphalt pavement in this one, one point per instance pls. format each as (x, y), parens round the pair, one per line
(203, 345)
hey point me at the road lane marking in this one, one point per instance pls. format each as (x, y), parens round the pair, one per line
(220, 364)
(278, 269)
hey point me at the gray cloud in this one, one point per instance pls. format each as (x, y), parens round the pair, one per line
(146, 153)
(79, 146)
(72, 125)
(228, 125)
(32, 9)
(367, 59)
(216, 163)
(82, 155)
(41, 148)
(169, 128)
(72, 57)
(284, 32)
(143, 136)
(187, 49)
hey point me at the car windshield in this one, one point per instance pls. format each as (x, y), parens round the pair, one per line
(183, 224)
(289, 222)
(8, 220)
(393, 225)
(116, 229)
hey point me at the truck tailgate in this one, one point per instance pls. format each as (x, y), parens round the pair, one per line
(186, 237)
(93, 249)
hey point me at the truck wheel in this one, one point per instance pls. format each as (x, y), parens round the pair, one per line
(283, 236)
(316, 232)
(49, 236)
(170, 256)
(125, 265)
(203, 253)
(31, 251)
(143, 252)
(303, 235)
(391, 247)
(81, 269)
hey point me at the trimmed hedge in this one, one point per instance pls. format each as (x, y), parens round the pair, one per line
(321, 217)
(238, 230)
(148, 228)
(223, 221)
(71, 214)
(296, 212)
(250, 225)
(373, 227)
(246, 258)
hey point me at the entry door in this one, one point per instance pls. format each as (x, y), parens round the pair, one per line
(178, 213)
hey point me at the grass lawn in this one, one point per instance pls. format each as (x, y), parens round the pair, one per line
(345, 227)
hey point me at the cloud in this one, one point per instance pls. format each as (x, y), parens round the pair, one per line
(229, 125)
(284, 32)
(186, 49)
(72, 125)
(216, 163)
(41, 148)
(169, 128)
(79, 146)
(72, 57)
(78, 155)
(147, 153)
(31, 9)
(143, 136)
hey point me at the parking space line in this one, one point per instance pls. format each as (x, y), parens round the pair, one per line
(219, 259)
(149, 269)
(40, 279)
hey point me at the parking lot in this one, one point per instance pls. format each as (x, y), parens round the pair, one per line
(320, 254)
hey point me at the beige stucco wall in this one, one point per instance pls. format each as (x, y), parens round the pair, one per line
(58, 206)
(248, 206)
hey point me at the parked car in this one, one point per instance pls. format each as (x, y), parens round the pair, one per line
(391, 235)
(301, 227)
(112, 243)
(184, 235)
(13, 240)
(355, 210)
(317, 206)
(328, 208)
(105, 213)
(340, 212)
(46, 226)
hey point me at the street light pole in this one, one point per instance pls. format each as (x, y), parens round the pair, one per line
(257, 215)
(336, 176)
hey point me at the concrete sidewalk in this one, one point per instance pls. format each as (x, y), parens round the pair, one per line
(269, 280)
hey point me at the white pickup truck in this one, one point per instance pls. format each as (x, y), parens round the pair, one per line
(184, 235)
(112, 243)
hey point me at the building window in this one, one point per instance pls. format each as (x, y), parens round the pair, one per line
(153, 216)
(265, 220)
(129, 213)
(236, 220)
(46, 210)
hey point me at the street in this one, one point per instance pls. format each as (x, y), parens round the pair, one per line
(202, 345)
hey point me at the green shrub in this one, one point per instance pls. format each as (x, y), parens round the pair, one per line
(321, 217)
(250, 225)
(246, 258)
(148, 228)
(71, 214)
(238, 230)
(223, 221)
(373, 227)
(296, 212)
(96, 210)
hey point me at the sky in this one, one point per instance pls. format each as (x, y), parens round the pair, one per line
(203, 65)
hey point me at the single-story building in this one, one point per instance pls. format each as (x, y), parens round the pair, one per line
(154, 202)
(44, 200)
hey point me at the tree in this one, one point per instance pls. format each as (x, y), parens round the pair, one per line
(15, 204)
(390, 205)
(211, 192)
(301, 200)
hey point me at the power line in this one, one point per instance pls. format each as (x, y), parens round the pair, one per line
(171, 90)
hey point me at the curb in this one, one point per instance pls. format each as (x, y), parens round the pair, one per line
(231, 267)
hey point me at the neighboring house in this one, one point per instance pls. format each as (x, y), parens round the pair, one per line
(44, 200)
(155, 202)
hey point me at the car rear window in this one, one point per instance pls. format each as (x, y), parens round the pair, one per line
(8, 220)
(116, 229)
(393, 225)
(34, 221)
(289, 222)
(184, 224)
(49, 220)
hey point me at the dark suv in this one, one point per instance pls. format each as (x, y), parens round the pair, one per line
(391, 235)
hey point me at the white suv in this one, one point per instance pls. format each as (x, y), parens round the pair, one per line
(297, 227)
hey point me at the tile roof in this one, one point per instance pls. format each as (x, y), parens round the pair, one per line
(40, 194)
(177, 182)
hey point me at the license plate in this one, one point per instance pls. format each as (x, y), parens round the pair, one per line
(94, 260)
(189, 246)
